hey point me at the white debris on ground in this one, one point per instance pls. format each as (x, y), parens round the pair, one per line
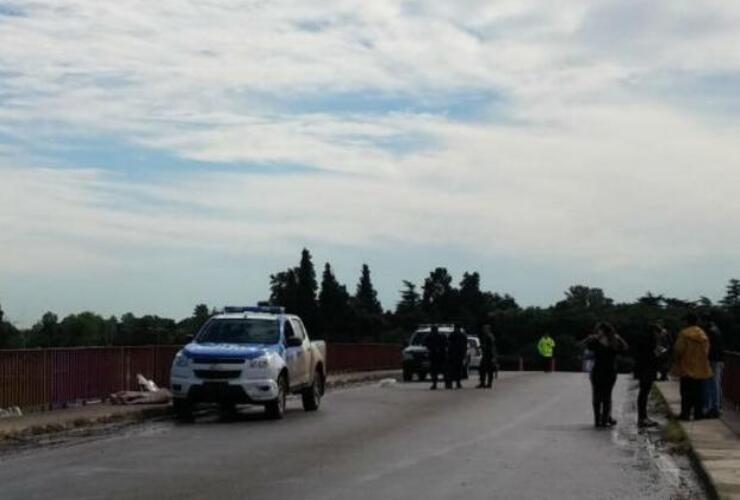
(13, 411)
(150, 393)
(386, 382)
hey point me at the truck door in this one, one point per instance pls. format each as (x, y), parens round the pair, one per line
(293, 356)
(304, 354)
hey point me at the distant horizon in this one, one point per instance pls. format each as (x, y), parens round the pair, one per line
(388, 299)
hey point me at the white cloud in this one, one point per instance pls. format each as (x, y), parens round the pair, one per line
(579, 157)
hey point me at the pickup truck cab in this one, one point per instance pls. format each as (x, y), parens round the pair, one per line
(249, 355)
(416, 355)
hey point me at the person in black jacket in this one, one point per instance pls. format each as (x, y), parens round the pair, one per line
(645, 352)
(605, 343)
(712, 387)
(436, 344)
(487, 361)
(458, 349)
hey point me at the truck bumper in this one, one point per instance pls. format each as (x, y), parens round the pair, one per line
(417, 366)
(250, 391)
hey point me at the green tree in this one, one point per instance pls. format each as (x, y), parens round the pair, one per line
(651, 300)
(10, 337)
(409, 313)
(83, 329)
(732, 294)
(438, 297)
(307, 307)
(367, 310)
(584, 297)
(334, 308)
(366, 297)
(284, 290)
(45, 333)
(199, 318)
(410, 299)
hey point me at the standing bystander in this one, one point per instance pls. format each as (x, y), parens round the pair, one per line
(712, 388)
(691, 364)
(546, 348)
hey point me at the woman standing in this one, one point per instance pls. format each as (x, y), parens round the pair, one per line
(605, 343)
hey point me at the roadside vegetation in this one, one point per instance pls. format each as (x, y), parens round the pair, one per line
(338, 314)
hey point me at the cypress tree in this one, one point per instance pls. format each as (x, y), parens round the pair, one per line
(366, 297)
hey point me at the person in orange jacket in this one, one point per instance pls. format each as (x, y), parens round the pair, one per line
(691, 364)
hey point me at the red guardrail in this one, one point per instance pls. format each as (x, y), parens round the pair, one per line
(362, 357)
(731, 380)
(50, 378)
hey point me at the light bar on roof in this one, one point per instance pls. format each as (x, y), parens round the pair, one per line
(255, 309)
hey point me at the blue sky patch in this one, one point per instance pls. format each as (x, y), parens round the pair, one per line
(459, 106)
(10, 11)
(141, 163)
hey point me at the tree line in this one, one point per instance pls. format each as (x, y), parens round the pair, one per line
(336, 314)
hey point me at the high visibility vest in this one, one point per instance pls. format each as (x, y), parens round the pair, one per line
(546, 345)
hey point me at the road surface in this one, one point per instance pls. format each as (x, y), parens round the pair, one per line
(529, 438)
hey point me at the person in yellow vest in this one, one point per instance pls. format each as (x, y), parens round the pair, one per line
(546, 348)
(691, 364)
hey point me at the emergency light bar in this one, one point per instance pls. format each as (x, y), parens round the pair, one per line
(255, 309)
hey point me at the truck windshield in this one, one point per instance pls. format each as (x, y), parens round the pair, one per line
(419, 338)
(240, 331)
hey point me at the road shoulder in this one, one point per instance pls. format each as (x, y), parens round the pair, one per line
(715, 447)
(32, 425)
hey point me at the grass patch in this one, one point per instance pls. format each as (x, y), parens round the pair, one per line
(676, 437)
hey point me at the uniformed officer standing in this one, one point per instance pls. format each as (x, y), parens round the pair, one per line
(458, 349)
(436, 344)
(488, 348)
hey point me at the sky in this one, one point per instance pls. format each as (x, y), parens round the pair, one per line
(155, 155)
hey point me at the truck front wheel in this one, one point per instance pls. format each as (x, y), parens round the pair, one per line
(183, 410)
(276, 409)
(312, 395)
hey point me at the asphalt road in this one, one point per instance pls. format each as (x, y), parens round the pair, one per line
(529, 438)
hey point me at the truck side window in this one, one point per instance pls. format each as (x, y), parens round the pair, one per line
(299, 329)
(288, 329)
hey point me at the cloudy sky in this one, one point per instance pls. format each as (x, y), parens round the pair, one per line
(158, 154)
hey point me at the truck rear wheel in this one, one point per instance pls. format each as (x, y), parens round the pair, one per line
(407, 375)
(276, 409)
(312, 395)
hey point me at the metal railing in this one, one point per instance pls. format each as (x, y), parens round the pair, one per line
(45, 379)
(731, 381)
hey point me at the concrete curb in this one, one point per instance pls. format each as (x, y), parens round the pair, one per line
(710, 486)
(110, 414)
(132, 414)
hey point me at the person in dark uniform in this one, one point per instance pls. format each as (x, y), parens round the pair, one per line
(663, 351)
(645, 351)
(458, 349)
(712, 387)
(605, 343)
(487, 347)
(436, 344)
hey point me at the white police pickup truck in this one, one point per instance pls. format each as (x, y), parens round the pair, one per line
(249, 355)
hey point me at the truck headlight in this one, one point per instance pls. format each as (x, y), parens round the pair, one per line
(181, 361)
(259, 363)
